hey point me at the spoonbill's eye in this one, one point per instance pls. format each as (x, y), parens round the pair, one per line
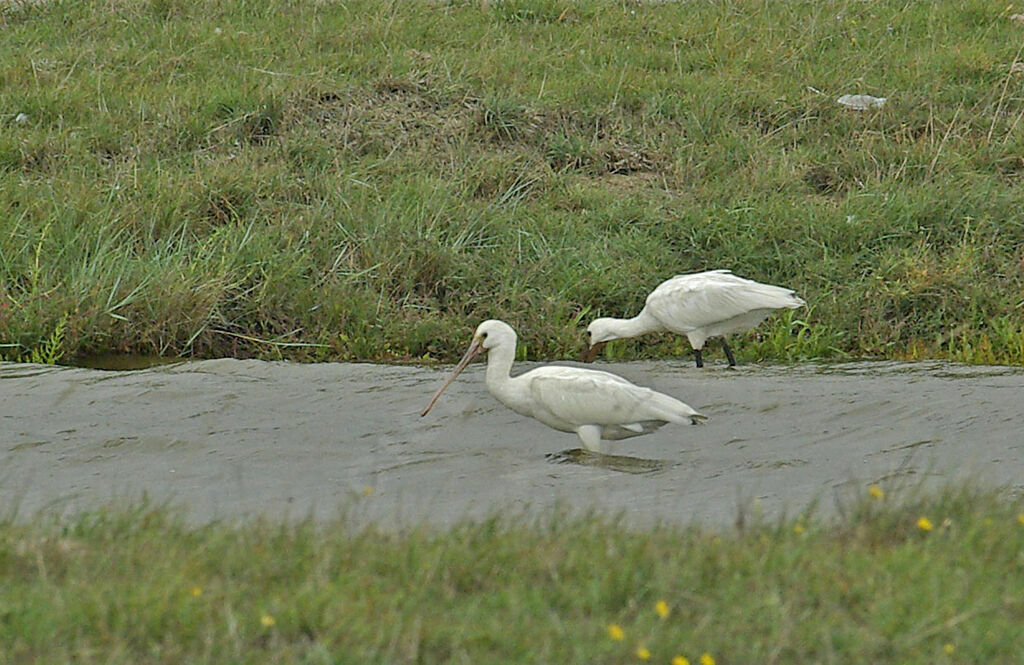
(483, 335)
(588, 333)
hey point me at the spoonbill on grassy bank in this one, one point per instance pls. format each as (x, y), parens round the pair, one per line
(700, 306)
(596, 405)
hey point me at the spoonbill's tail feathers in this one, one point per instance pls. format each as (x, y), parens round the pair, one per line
(774, 297)
(675, 411)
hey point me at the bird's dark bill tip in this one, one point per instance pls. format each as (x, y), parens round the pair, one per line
(592, 352)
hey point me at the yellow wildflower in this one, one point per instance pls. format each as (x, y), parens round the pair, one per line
(1020, 519)
(643, 653)
(706, 659)
(367, 490)
(876, 492)
(267, 621)
(661, 607)
(195, 591)
(615, 632)
(798, 529)
(925, 524)
(949, 647)
(680, 660)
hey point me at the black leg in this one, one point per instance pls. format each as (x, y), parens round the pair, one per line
(697, 357)
(728, 353)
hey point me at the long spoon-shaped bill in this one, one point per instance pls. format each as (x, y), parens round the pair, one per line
(472, 352)
(589, 353)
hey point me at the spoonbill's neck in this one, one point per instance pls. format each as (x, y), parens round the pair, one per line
(499, 367)
(499, 364)
(641, 324)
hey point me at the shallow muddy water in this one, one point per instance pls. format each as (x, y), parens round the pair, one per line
(228, 438)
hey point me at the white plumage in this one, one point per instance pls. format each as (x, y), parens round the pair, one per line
(596, 405)
(702, 305)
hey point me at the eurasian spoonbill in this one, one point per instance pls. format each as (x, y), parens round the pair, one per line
(596, 405)
(700, 306)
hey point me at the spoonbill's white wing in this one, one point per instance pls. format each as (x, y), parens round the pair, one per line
(688, 302)
(576, 397)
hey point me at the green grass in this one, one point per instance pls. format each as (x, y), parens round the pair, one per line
(139, 586)
(369, 179)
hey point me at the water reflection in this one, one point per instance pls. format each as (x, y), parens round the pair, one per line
(621, 463)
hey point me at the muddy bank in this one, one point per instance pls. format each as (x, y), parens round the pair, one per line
(227, 439)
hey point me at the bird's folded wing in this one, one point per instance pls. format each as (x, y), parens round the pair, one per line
(589, 397)
(696, 302)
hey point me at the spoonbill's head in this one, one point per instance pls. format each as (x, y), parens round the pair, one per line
(489, 334)
(599, 333)
(493, 333)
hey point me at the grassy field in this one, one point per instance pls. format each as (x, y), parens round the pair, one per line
(928, 580)
(370, 179)
(367, 180)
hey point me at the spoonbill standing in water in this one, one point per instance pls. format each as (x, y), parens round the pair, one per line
(700, 306)
(596, 405)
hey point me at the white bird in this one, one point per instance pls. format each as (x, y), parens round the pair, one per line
(700, 306)
(596, 405)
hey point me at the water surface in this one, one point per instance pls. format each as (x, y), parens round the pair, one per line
(227, 439)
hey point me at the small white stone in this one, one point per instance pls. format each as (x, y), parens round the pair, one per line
(21, 118)
(217, 31)
(861, 102)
